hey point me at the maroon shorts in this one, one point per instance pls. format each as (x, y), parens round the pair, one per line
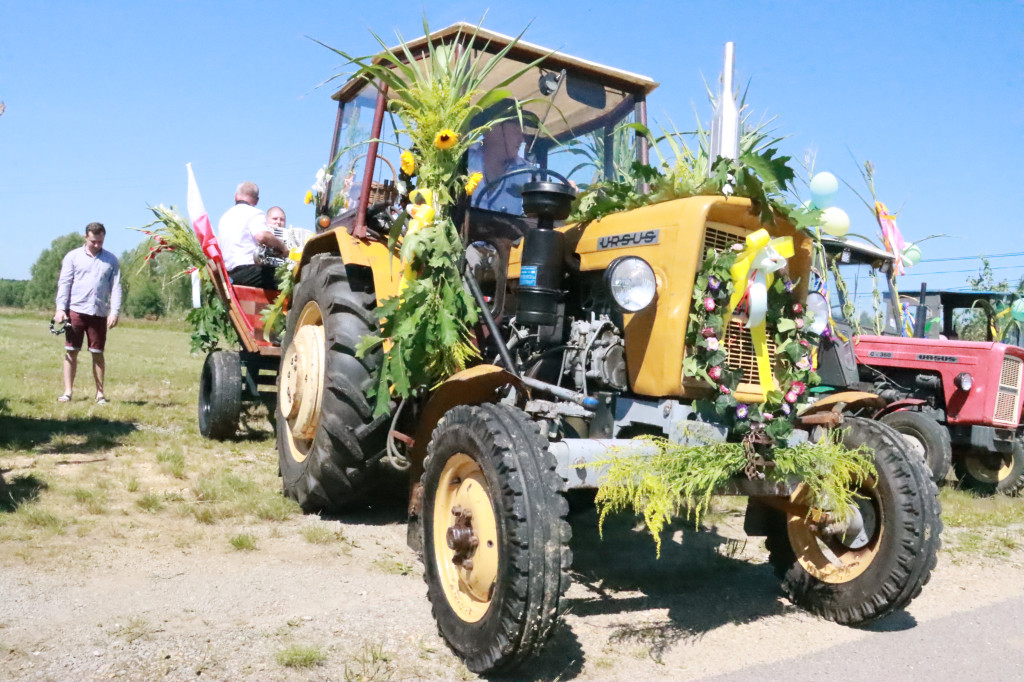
(79, 326)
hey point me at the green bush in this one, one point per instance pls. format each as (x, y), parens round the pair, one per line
(41, 291)
(144, 299)
(12, 292)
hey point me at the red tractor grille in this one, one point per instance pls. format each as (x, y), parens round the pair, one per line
(1007, 399)
(1010, 376)
(739, 349)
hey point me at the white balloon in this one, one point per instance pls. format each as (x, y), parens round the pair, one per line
(834, 221)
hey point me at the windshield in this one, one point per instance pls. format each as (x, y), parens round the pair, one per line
(570, 124)
(350, 156)
(860, 300)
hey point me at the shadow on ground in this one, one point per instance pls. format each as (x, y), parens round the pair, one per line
(62, 436)
(18, 490)
(389, 510)
(700, 583)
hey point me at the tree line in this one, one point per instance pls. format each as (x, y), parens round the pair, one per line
(151, 287)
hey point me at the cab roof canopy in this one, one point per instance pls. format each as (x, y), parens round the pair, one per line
(860, 252)
(957, 298)
(591, 91)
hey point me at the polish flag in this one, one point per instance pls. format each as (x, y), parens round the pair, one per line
(200, 218)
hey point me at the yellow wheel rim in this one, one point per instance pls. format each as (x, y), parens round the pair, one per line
(831, 557)
(1005, 470)
(302, 379)
(465, 543)
(988, 467)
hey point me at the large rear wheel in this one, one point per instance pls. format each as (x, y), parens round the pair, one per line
(496, 542)
(988, 473)
(328, 441)
(875, 564)
(927, 436)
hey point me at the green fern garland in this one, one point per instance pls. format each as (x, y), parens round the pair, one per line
(678, 479)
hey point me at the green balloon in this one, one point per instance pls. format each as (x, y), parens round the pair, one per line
(1017, 310)
(911, 255)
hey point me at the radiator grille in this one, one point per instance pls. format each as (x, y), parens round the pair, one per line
(721, 239)
(1007, 406)
(739, 349)
(1010, 376)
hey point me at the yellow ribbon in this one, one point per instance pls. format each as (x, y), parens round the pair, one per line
(752, 275)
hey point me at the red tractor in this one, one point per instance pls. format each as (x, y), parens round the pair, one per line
(958, 401)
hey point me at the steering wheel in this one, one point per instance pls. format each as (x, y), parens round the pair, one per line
(521, 171)
(378, 217)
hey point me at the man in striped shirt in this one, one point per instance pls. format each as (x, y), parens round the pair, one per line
(89, 299)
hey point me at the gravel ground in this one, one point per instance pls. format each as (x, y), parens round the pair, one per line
(140, 607)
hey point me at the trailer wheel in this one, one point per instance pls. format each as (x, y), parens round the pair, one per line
(220, 395)
(496, 540)
(987, 473)
(328, 440)
(931, 436)
(860, 579)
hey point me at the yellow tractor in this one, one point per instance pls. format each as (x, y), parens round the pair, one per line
(582, 338)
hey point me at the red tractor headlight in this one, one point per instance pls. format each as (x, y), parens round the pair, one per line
(964, 381)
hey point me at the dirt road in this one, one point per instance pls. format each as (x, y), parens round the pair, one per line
(142, 608)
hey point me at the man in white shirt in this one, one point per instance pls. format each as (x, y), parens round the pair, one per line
(89, 299)
(240, 231)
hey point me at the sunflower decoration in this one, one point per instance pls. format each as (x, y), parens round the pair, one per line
(408, 163)
(446, 139)
(473, 182)
(428, 327)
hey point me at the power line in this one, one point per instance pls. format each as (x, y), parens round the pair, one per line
(993, 255)
(954, 272)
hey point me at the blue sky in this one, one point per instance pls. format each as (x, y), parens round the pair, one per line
(107, 101)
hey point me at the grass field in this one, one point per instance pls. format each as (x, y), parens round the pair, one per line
(81, 470)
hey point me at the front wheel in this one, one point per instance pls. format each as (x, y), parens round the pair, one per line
(928, 435)
(496, 542)
(871, 568)
(988, 473)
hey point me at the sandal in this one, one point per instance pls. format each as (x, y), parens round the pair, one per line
(101, 400)
(66, 398)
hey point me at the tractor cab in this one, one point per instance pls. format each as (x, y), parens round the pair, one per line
(569, 124)
(849, 285)
(854, 306)
(972, 315)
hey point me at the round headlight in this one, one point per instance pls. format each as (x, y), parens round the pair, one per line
(631, 282)
(817, 305)
(964, 381)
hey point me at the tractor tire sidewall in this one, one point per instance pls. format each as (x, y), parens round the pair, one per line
(911, 526)
(1011, 485)
(938, 452)
(341, 465)
(220, 395)
(532, 531)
